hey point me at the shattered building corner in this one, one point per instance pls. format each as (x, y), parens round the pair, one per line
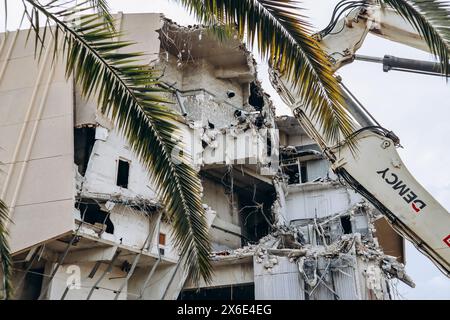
(88, 223)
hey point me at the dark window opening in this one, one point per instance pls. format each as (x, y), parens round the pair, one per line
(123, 172)
(259, 121)
(162, 251)
(346, 224)
(32, 284)
(255, 215)
(297, 172)
(256, 98)
(233, 292)
(303, 173)
(94, 215)
(293, 173)
(84, 139)
(269, 145)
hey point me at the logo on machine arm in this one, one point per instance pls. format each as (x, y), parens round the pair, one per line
(408, 195)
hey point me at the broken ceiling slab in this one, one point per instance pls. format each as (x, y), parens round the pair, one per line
(196, 42)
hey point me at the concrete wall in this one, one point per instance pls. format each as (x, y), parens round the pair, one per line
(36, 134)
(319, 200)
(317, 169)
(228, 274)
(214, 195)
(65, 274)
(207, 72)
(132, 229)
(173, 73)
(36, 142)
(139, 28)
(156, 286)
(299, 140)
(283, 282)
(238, 147)
(131, 226)
(204, 95)
(201, 74)
(102, 167)
(207, 108)
(227, 217)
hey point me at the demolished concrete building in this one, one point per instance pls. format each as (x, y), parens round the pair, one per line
(87, 223)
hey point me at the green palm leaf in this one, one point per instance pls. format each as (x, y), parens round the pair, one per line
(431, 19)
(128, 93)
(5, 256)
(283, 36)
(102, 8)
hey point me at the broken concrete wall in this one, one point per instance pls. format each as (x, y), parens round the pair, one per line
(350, 268)
(102, 171)
(214, 78)
(110, 147)
(204, 62)
(226, 225)
(208, 109)
(238, 212)
(337, 279)
(129, 225)
(171, 69)
(235, 146)
(372, 284)
(202, 75)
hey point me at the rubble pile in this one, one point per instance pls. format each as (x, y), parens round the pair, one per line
(314, 262)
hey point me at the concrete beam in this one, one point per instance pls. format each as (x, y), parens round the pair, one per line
(244, 75)
(91, 255)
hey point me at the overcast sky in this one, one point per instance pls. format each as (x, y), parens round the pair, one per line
(415, 107)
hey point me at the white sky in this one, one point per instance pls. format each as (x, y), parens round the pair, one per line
(415, 107)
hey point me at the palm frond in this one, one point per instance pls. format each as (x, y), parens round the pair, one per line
(5, 255)
(431, 19)
(102, 7)
(128, 92)
(283, 36)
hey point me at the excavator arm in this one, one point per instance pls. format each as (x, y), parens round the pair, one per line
(376, 170)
